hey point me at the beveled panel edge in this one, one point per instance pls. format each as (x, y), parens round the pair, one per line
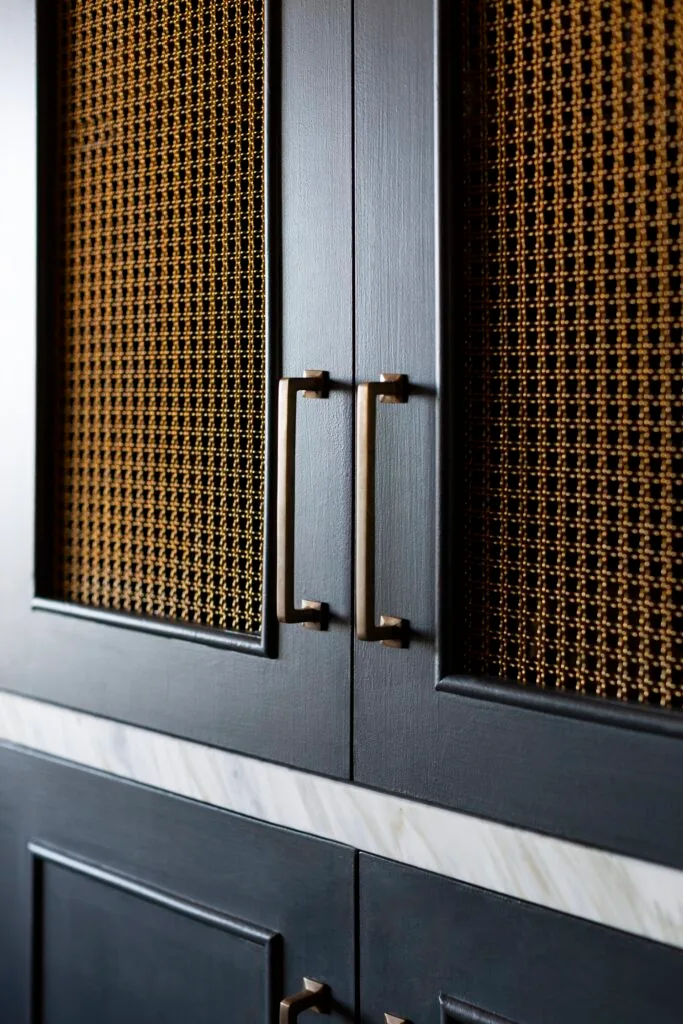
(583, 707)
(43, 854)
(195, 911)
(246, 643)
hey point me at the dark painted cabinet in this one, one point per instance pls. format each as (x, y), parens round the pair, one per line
(468, 216)
(541, 684)
(515, 539)
(117, 554)
(432, 949)
(120, 903)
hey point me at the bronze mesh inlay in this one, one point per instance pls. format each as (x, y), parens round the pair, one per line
(158, 328)
(574, 151)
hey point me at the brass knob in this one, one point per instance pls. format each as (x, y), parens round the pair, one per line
(315, 996)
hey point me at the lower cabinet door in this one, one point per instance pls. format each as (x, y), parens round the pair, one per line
(435, 951)
(122, 904)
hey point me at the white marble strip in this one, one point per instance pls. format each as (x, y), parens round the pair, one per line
(620, 892)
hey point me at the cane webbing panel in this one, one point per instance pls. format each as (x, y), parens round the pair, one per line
(158, 318)
(573, 489)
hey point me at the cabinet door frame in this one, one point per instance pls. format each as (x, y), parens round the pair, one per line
(290, 895)
(264, 696)
(575, 767)
(475, 957)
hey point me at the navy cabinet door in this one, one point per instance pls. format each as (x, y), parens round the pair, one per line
(120, 903)
(515, 190)
(181, 180)
(471, 957)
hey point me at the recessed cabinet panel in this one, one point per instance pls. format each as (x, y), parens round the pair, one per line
(566, 453)
(155, 311)
(111, 951)
(432, 949)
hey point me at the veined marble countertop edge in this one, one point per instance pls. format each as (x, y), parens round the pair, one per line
(614, 890)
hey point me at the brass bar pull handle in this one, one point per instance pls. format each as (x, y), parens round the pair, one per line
(314, 384)
(392, 388)
(315, 996)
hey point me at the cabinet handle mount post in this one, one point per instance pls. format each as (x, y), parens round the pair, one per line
(313, 384)
(315, 996)
(392, 388)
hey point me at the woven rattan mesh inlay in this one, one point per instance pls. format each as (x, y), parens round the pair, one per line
(158, 330)
(574, 152)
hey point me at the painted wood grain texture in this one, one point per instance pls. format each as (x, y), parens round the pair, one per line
(589, 781)
(124, 903)
(268, 706)
(453, 944)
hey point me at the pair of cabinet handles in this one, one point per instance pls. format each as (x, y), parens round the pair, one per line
(317, 997)
(392, 388)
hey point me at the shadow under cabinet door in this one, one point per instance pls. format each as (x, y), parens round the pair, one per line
(119, 903)
(436, 951)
